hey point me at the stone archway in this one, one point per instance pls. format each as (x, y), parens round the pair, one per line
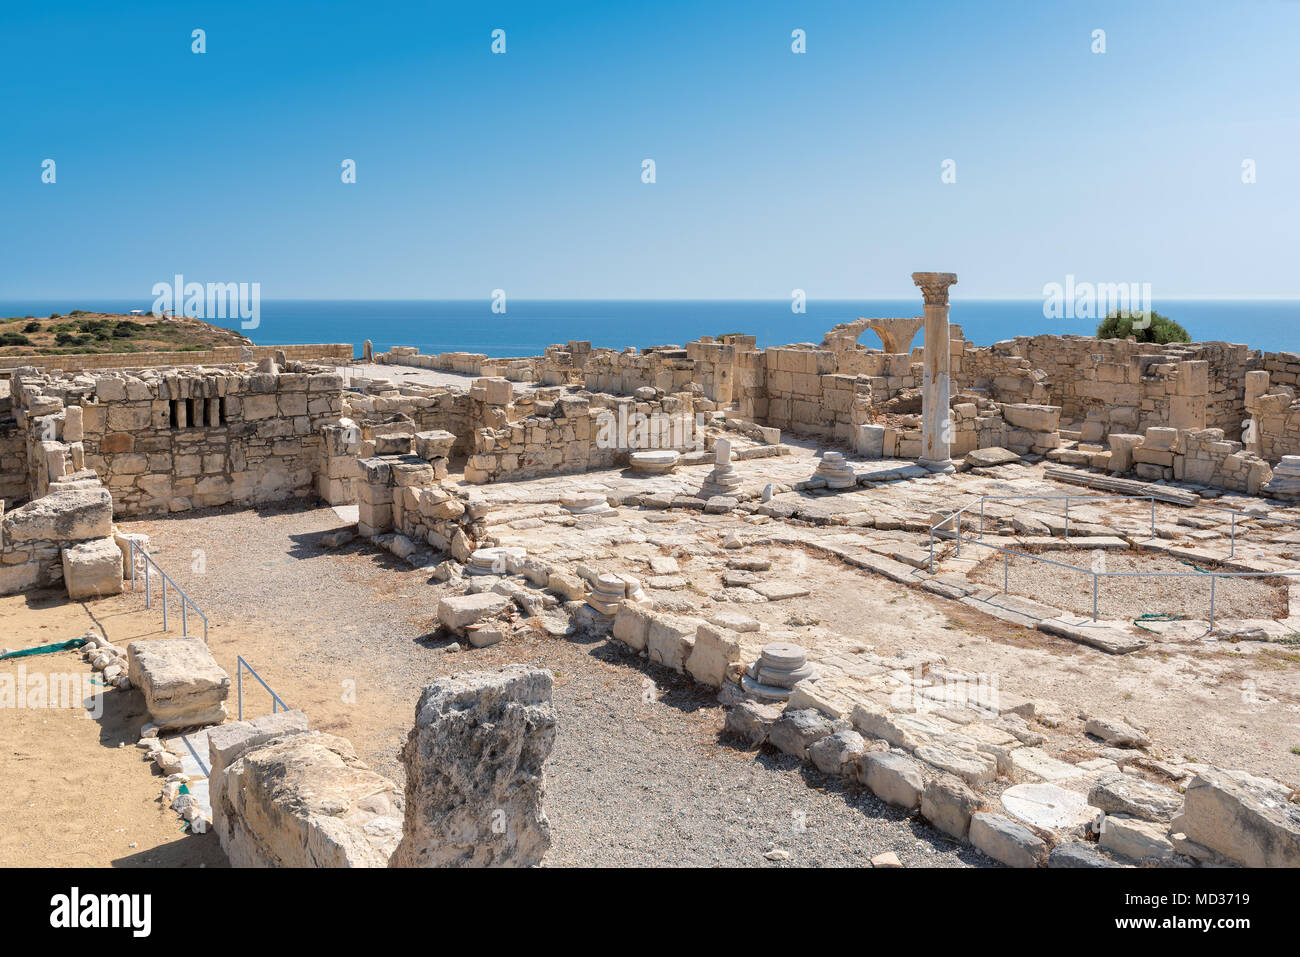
(896, 334)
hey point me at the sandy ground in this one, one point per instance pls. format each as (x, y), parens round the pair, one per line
(1122, 597)
(75, 789)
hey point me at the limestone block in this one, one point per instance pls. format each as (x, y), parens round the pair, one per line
(1136, 797)
(1245, 818)
(1006, 841)
(840, 753)
(227, 742)
(65, 516)
(715, 648)
(796, 730)
(475, 781)
(434, 444)
(92, 569)
(457, 612)
(893, 777)
(751, 720)
(948, 804)
(1135, 838)
(671, 639)
(1032, 418)
(182, 684)
(307, 800)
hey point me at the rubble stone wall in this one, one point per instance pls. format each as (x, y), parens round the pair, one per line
(222, 355)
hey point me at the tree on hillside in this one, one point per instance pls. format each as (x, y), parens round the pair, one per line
(1158, 329)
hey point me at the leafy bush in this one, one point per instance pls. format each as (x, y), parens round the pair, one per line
(14, 339)
(1160, 329)
(64, 338)
(32, 327)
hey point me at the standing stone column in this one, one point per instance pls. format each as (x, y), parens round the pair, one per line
(936, 431)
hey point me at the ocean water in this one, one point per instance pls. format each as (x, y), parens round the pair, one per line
(531, 325)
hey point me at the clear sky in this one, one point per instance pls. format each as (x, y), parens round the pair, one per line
(523, 171)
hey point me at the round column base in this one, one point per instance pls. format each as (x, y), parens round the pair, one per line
(944, 466)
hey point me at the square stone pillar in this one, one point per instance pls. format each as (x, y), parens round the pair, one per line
(936, 427)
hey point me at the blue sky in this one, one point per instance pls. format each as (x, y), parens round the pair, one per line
(775, 171)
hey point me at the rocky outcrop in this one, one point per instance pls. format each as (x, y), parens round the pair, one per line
(474, 775)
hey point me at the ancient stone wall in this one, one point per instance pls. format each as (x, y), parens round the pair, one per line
(222, 355)
(176, 439)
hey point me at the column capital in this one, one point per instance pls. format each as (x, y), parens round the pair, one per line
(934, 286)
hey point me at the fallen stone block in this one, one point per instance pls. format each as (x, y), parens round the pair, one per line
(987, 458)
(307, 800)
(948, 804)
(894, 778)
(182, 684)
(1051, 812)
(963, 760)
(475, 781)
(1136, 797)
(840, 754)
(1136, 839)
(1006, 841)
(1079, 854)
(457, 612)
(1245, 818)
(92, 569)
(750, 721)
(227, 742)
(632, 624)
(1116, 733)
(670, 640)
(796, 730)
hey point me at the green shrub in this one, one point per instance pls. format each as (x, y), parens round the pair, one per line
(64, 338)
(14, 339)
(1161, 329)
(32, 327)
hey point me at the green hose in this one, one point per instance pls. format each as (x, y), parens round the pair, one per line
(1155, 616)
(46, 649)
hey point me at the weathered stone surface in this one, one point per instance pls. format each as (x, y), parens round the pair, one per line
(632, 625)
(1116, 733)
(1078, 854)
(182, 684)
(895, 778)
(796, 730)
(307, 800)
(226, 742)
(960, 758)
(1049, 810)
(948, 804)
(474, 771)
(750, 721)
(839, 753)
(1245, 818)
(1135, 838)
(671, 639)
(715, 649)
(92, 569)
(459, 611)
(985, 458)
(73, 515)
(1006, 841)
(1136, 797)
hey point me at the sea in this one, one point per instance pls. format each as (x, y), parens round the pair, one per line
(528, 326)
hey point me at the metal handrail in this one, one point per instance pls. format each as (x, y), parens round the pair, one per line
(186, 603)
(240, 665)
(955, 535)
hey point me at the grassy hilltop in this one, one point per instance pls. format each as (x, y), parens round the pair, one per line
(96, 332)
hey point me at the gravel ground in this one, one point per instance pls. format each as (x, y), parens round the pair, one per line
(639, 775)
(1126, 598)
